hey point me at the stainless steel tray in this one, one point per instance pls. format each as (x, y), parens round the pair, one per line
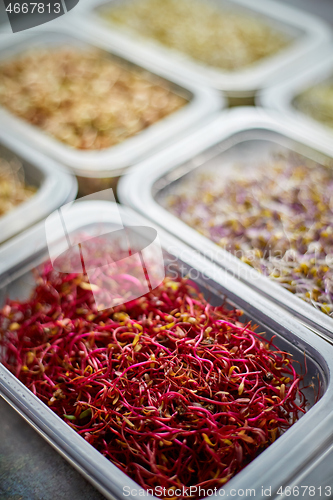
(54, 187)
(281, 96)
(308, 32)
(278, 466)
(140, 187)
(109, 162)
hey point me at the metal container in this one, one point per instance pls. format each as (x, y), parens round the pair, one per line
(278, 466)
(110, 162)
(54, 187)
(308, 35)
(282, 96)
(249, 133)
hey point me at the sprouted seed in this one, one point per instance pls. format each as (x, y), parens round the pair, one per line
(84, 97)
(213, 36)
(175, 392)
(317, 102)
(278, 218)
(13, 189)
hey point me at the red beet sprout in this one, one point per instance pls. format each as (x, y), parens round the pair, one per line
(173, 391)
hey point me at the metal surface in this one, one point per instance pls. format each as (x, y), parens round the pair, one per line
(30, 469)
(281, 97)
(310, 34)
(54, 187)
(322, 8)
(277, 466)
(140, 187)
(112, 161)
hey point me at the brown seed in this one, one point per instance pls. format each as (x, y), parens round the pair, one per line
(84, 98)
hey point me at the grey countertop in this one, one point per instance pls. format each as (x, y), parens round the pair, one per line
(30, 469)
(321, 8)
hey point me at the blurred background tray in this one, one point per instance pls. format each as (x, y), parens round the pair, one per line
(309, 33)
(55, 186)
(96, 166)
(246, 136)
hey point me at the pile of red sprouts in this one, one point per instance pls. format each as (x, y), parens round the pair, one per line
(175, 392)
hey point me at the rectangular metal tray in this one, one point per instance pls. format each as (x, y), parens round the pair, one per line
(278, 466)
(281, 96)
(142, 184)
(308, 32)
(54, 186)
(109, 162)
